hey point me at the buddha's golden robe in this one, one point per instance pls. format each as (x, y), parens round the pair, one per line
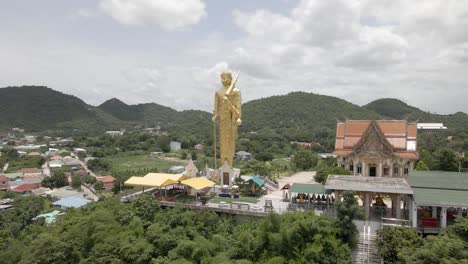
(229, 113)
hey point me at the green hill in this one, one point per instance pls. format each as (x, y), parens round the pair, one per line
(150, 113)
(296, 116)
(38, 108)
(396, 109)
(391, 107)
(188, 124)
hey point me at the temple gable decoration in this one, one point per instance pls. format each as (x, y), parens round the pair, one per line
(380, 148)
(373, 143)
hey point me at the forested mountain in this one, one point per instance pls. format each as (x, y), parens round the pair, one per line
(296, 116)
(38, 108)
(151, 112)
(300, 116)
(192, 125)
(396, 109)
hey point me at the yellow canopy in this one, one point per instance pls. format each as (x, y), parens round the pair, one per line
(149, 182)
(198, 183)
(174, 177)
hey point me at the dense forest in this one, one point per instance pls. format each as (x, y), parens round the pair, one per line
(142, 232)
(399, 245)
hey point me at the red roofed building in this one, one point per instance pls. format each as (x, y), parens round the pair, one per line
(24, 188)
(81, 172)
(3, 183)
(108, 182)
(381, 148)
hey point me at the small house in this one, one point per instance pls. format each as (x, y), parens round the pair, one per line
(3, 183)
(243, 155)
(175, 146)
(107, 182)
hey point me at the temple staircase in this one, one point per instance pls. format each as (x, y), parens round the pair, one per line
(366, 251)
(269, 185)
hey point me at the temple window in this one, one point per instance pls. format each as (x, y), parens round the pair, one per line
(351, 167)
(359, 169)
(395, 171)
(386, 171)
(405, 171)
(343, 166)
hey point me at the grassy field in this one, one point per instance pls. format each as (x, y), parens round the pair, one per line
(141, 162)
(230, 200)
(25, 162)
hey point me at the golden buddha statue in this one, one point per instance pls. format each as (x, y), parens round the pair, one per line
(227, 107)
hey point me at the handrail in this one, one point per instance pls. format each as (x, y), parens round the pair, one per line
(394, 222)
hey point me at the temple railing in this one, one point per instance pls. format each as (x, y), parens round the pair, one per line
(394, 222)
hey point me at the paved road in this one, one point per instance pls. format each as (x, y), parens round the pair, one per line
(277, 196)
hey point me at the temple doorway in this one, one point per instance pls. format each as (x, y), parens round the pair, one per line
(372, 171)
(226, 178)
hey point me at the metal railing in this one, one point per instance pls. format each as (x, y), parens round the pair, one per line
(394, 222)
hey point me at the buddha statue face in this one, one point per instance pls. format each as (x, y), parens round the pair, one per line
(226, 79)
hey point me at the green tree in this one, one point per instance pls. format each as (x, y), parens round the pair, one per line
(47, 248)
(321, 175)
(346, 211)
(305, 160)
(194, 155)
(145, 207)
(392, 240)
(57, 180)
(76, 181)
(98, 185)
(9, 153)
(421, 166)
(264, 156)
(81, 155)
(446, 160)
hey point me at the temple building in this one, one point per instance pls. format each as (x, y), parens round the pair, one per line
(377, 148)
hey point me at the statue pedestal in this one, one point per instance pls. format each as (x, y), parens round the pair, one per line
(226, 175)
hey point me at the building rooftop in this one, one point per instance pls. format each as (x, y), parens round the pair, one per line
(399, 134)
(439, 180)
(431, 126)
(105, 179)
(368, 184)
(440, 188)
(25, 187)
(68, 202)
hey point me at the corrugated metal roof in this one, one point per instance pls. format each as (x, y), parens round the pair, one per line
(439, 180)
(257, 181)
(71, 201)
(367, 184)
(307, 188)
(440, 197)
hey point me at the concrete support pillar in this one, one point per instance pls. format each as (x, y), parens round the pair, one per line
(434, 212)
(413, 214)
(380, 171)
(400, 172)
(364, 170)
(354, 168)
(390, 173)
(398, 206)
(443, 217)
(366, 205)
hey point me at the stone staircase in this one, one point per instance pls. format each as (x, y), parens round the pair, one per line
(269, 185)
(366, 252)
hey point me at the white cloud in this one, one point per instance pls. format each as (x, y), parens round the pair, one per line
(362, 50)
(169, 15)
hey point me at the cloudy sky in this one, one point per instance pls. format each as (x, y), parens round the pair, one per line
(171, 52)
